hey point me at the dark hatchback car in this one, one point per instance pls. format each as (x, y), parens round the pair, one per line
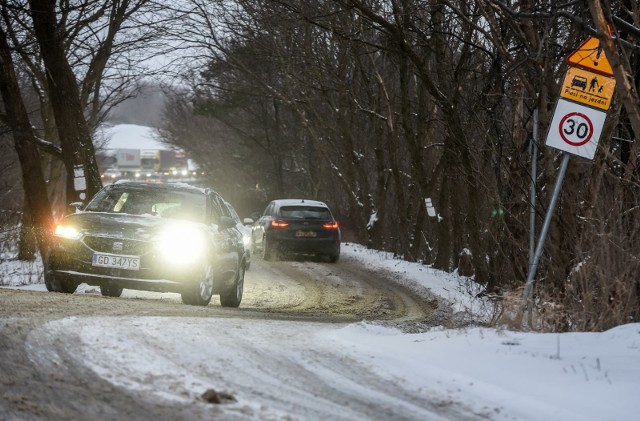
(154, 237)
(297, 226)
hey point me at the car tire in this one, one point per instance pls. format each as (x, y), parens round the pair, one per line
(335, 256)
(48, 282)
(200, 293)
(232, 296)
(58, 285)
(267, 250)
(111, 291)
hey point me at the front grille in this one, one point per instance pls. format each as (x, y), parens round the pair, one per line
(108, 245)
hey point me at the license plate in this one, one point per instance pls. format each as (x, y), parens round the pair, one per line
(306, 233)
(116, 261)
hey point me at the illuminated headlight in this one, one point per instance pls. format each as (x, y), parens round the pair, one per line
(181, 244)
(65, 231)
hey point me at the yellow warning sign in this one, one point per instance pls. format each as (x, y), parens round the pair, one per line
(591, 56)
(588, 88)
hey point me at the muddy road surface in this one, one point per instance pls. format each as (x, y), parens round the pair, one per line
(45, 374)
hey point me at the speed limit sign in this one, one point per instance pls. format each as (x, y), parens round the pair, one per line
(576, 129)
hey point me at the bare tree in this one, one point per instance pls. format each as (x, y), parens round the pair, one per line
(26, 147)
(620, 59)
(80, 59)
(383, 104)
(83, 177)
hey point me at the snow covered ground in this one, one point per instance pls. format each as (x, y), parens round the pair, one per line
(492, 373)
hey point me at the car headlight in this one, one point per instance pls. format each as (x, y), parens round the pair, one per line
(66, 231)
(181, 243)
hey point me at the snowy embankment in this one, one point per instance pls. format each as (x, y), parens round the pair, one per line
(524, 376)
(277, 368)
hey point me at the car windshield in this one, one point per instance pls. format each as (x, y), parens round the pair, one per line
(305, 212)
(150, 201)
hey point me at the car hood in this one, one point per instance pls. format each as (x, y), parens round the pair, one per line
(140, 227)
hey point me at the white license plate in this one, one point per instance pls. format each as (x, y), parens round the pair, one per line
(306, 233)
(116, 261)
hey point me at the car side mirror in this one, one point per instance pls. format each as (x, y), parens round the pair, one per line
(226, 223)
(74, 207)
(248, 221)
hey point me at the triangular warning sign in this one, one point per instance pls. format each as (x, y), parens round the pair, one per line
(590, 56)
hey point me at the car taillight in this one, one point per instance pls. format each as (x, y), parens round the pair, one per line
(279, 224)
(331, 225)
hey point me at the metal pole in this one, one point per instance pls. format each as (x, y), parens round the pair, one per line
(534, 170)
(545, 228)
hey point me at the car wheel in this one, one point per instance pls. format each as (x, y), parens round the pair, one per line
(200, 293)
(232, 296)
(335, 255)
(58, 285)
(111, 290)
(48, 282)
(267, 249)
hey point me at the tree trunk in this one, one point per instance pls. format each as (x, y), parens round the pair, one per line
(83, 177)
(33, 182)
(443, 228)
(27, 244)
(623, 73)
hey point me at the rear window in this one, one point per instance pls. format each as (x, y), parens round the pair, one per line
(304, 212)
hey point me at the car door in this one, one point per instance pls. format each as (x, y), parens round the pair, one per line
(234, 232)
(262, 224)
(225, 239)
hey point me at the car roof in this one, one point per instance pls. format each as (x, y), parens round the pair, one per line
(298, 202)
(160, 186)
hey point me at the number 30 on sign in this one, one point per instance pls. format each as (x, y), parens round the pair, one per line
(575, 129)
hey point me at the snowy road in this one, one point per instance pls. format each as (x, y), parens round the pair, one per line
(111, 357)
(298, 348)
(274, 369)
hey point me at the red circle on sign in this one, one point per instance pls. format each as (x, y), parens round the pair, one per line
(589, 132)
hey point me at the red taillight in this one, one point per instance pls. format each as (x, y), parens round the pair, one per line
(331, 225)
(279, 224)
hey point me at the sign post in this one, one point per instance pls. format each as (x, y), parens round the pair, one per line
(528, 288)
(576, 126)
